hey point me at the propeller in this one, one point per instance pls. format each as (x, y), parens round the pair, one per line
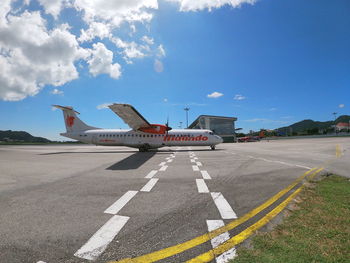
(167, 126)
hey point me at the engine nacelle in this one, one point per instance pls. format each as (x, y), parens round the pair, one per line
(156, 129)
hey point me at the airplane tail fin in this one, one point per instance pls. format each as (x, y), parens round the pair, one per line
(71, 120)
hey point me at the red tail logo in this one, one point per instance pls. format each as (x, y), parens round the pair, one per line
(70, 121)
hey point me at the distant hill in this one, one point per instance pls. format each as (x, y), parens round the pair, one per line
(21, 136)
(307, 125)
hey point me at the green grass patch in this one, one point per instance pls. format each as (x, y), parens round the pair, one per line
(317, 230)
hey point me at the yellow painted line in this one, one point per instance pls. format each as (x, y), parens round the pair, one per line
(313, 175)
(210, 255)
(179, 248)
(338, 151)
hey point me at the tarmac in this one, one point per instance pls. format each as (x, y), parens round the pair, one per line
(84, 203)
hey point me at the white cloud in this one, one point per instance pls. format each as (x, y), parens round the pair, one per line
(272, 109)
(57, 92)
(116, 12)
(239, 97)
(165, 100)
(5, 7)
(103, 106)
(197, 5)
(32, 57)
(53, 7)
(158, 66)
(148, 40)
(341, 105)
(215, 95)
(95, 29)
(35, 52)
(101, 60)
(160, 51)
(131, 50)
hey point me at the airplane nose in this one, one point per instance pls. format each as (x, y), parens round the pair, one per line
(219, 139)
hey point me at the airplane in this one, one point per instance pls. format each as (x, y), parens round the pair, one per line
(142, 135)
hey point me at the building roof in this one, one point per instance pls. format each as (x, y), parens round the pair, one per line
(343, 124)
(210, 116)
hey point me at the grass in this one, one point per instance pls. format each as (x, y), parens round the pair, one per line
(317, 229)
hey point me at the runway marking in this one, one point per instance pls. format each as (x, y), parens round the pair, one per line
(205, 175)
(199, 164)
(151, 174)
(338, 151)
(100, 240)
(196, 158)
(302, 166)
(314, 174)
(163, 168)
(202, 186)
(195, 168)
(193, 160)
(179, 248)
(210, 255)
(170, 160)
(218, 240)
(148, 187)
(120, 203)
(223, 206)
(162, 163)
(274, 161)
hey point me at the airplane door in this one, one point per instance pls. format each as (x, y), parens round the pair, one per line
(94, 139)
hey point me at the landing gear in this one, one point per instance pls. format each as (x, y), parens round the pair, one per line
(212, 147)
(144, 148)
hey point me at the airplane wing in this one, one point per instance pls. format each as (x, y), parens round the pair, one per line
(130, 116)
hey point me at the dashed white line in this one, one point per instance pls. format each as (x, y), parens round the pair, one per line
(199, 163)
(170, 160)
(216, 241)
(196, 158)
(151, 174)
(162, 163)
(205, 175)
(148, 187)
(163, 168)
(202, 186)
(193, 160)
(100, 240)
(195, 168)
(120, 203)
(223, 206)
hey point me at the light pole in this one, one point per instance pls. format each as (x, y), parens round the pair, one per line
(186, 109)
(335, 125)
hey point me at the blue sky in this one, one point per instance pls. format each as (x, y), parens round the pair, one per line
(269, 63)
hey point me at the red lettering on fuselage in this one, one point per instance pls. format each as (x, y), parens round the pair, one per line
(168, 138)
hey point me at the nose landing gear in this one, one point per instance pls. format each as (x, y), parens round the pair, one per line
(212, 147)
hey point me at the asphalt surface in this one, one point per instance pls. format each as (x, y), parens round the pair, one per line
(53, 199)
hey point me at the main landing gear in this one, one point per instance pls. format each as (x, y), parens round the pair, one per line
(212, 147)
(144, 148)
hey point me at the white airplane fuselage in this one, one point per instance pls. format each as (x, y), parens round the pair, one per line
(137, 139)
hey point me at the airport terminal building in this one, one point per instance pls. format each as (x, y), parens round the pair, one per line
(222, 126)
